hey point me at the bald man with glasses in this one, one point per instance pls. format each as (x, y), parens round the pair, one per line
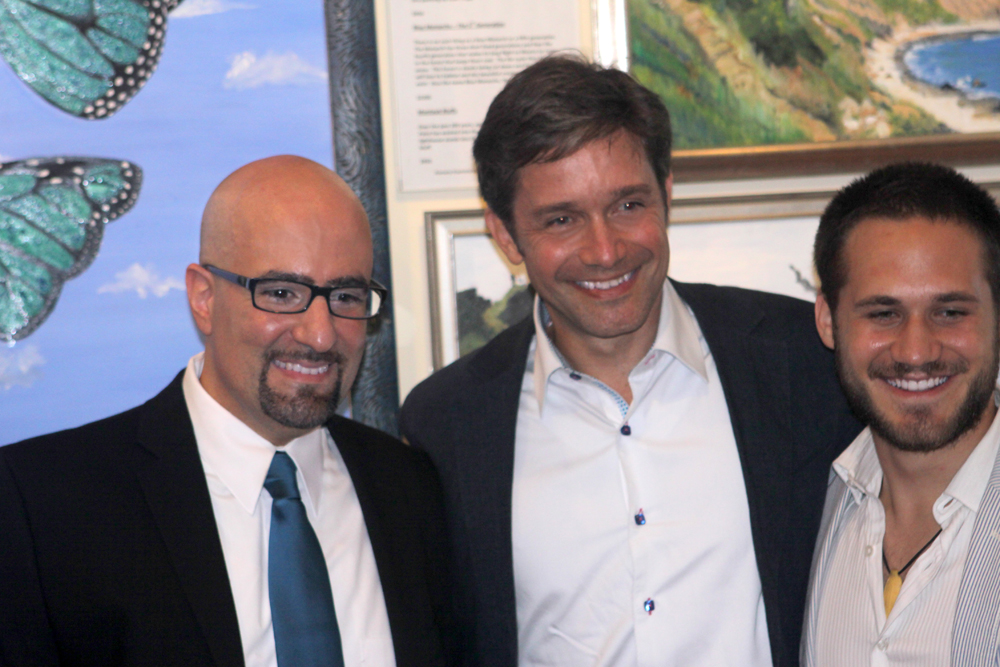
(235, 519)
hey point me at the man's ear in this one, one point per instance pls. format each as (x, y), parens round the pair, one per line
(502, 236)
(824, 321)
(668, 187)
(201, 295)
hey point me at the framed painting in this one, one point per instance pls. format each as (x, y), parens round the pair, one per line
(475, 293)
(775, 88)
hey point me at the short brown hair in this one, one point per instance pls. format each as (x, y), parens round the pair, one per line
(901, 191)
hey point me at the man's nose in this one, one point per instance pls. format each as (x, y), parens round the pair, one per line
(316, 327)
(602, 245)
(917, 342)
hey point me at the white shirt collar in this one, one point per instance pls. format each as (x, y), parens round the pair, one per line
(858, 466)
(677, 334)
(240, 457)
(970, 482)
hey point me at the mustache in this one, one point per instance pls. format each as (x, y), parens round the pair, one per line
(330, 357)
(897, 370)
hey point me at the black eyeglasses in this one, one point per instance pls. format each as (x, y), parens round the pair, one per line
(286, 297)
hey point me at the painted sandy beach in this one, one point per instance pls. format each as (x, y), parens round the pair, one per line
(885, 66)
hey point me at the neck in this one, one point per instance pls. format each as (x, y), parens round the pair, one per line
(913, 481)
(609, 360)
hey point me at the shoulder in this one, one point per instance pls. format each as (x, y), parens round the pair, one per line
(728, 311)
(737, 301)
(98, 443)
(72, 442)
(371, 449)
(502, 359)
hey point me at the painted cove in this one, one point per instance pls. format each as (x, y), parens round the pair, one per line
(968, 63)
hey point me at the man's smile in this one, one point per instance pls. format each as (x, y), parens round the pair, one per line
(925, 384)
(299, 368)
(606, 284)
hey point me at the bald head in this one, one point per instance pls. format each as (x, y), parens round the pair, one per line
(281, 222)
(266, 192)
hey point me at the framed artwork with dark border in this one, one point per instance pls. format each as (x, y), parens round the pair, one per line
(772, 88)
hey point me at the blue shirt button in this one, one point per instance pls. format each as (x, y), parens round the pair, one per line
(640, 518)
(574, 375)
(626, 430)
(649, 606)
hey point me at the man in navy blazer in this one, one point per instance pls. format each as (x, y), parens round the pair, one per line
(148, 538)
(634, 474)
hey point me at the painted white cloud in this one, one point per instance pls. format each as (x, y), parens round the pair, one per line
(191, 8)
(248, 71)
(143, 280)
(19, 365)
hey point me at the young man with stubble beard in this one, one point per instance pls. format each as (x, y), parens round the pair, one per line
(908, 560)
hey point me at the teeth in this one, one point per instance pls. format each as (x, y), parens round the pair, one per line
(917, 385)
(298, 368)
(606, 284)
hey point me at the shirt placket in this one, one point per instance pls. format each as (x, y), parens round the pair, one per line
(641, 516)
(873, 560)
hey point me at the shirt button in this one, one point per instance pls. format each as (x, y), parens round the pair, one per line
(649, 606)
(574, 375)
(626, 430)
(882, 645)
(640, 518)
(869, 550)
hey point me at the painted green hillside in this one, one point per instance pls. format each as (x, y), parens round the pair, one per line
(751, 72)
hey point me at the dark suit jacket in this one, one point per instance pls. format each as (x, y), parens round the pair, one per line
(788, 415)
(109, 552)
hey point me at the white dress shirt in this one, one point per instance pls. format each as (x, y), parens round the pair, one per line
(631, 526)
(236, 460)
(846, 625)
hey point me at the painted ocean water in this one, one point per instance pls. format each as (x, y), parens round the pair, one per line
(967, 63)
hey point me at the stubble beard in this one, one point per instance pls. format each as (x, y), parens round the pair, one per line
(919, 434)
(307, 408)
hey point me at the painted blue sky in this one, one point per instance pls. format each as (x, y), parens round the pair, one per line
(237, 81)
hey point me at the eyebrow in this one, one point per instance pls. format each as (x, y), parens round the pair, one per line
(343, 281)
(947, 297)
(620, 193)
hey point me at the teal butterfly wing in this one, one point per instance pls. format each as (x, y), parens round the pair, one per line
(86, 57)
(52, 217)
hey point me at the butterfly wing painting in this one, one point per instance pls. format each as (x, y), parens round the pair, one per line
(52, 217)
(87, 57)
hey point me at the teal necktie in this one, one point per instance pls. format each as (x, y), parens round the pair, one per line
(302, 614)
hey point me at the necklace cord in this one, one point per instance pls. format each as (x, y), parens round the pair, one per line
(915, 556)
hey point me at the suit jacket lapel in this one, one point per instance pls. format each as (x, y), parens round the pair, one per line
(485, 459)
(975, 640)
(754, 372)
(173, 481)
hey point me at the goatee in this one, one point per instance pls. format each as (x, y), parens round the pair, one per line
(308, 407)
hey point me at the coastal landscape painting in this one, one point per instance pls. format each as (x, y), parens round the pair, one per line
(740, 73)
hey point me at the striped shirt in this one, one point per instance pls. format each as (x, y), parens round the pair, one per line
(846, 625)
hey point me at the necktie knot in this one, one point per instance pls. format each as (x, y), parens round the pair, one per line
(280, 481)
